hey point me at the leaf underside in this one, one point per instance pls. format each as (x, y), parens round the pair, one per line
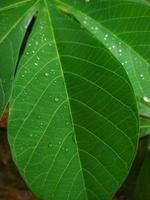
(73, 119)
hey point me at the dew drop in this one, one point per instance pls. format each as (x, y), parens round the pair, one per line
(96, 28)
(146, 99)
(50, 145)
(38, 58)
(35, 64)
(56, 99)
(46, 74)
(67, 123)
(22, 75)
(66, 149)
(59, 142)
(120, 50)
(84, 22)
(36, 42)
(87, 1)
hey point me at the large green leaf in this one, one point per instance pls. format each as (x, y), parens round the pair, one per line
(73, 119)
(14, 19)
(124, 28)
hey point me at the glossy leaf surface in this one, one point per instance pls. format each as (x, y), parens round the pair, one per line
(124, 28)
(73, 123)
(14, 19)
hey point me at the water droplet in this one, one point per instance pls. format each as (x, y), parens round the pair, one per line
(35, 64)
(146, 99)
(41, 124)
(38, 58)
(96, 28)
(84, 22)
(29, 44)
(87, 1)
(36, 42)
(31, 135)
(46, 74)
(67, 123)
(113, 46)
(33, 51)
(66, 149)
(56, 99)
(22, 75)
(59, 142)
(120, 50)
(50, 145)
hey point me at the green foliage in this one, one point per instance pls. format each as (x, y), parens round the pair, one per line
(73, 124)
(13, 24)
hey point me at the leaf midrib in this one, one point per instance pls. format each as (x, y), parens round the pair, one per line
(11, 6)
(62, 73)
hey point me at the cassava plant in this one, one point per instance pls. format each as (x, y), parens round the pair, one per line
(76, 75)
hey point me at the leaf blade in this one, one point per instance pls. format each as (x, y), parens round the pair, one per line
(70, 165)
(116, 32)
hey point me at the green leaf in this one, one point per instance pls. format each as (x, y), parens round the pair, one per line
(14, 20)
(124, 28)
(73, 123)
(144, 110)
(142, 191)
(144, 127)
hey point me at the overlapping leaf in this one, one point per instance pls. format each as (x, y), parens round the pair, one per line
(124, 28)
(14, 19)
(73, 119)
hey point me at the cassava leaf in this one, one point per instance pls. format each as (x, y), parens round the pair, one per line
(14, 19)
(73, 123)
(124, 28)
